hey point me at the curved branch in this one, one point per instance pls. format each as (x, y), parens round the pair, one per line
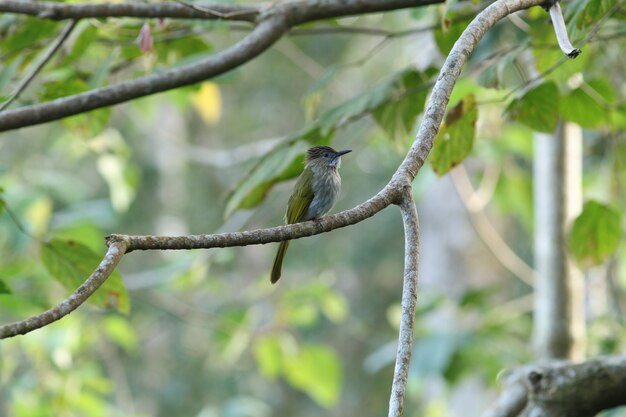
(451, 70)
(410, 222)
(383, 199)
(52, 49)
(392, 193)
(262, 37)
(60, 11)
(301, 10)
(273, 23)
(485, 230)
(65, 307)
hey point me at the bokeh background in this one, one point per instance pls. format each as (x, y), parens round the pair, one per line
(204, 333)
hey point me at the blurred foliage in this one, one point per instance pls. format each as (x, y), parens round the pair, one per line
(202, 333)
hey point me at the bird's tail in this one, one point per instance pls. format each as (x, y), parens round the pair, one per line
(278, 261)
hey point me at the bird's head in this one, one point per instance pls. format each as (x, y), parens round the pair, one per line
(325, 156)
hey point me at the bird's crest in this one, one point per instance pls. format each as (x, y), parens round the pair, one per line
(318, 152)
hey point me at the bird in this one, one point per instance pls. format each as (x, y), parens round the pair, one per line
(313, 195)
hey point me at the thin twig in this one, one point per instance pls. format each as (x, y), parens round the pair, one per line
(485, 230)
(107, 266)
(58, 11)
(271, 26)
(47, 56)
(213, 13)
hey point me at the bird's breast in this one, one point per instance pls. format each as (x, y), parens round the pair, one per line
(326, 187)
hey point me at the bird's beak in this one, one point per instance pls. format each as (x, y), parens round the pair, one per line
(336, 161)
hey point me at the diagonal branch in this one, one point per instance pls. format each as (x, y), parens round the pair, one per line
(65, 307)
(485, 230)
(61, 11)
(262, 37)
(52, 49)
(273, 22)
(410, 222)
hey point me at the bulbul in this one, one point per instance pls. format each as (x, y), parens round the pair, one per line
(314, 194)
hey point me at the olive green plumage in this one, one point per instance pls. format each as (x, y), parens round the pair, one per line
(314, 193)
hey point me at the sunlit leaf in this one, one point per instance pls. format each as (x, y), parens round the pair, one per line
(538, 108)
(456, 136)
(120, 331)
(316, 370)
(268, 355)
(334, 306)
(595, 233)
(89, 234)
(71, 263)
(208, 102)
(121, 179)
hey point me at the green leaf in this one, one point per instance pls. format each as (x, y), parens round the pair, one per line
(538, 108)
(587, 106)
(4, 288)
(406, 90)
(71, 263)
(268, 355)
(63, 87)
(85, 34)
(452, 26)
(29, 32)
(594, 10)
(120, 331)
(334, 306)
(595, 234)
(406, 102)
(316, 370)
(456, 136)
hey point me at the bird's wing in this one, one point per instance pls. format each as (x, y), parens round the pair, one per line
(301, 198)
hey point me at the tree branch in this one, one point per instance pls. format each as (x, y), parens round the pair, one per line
(262, 37)
(40, 64)
(383, 199)
(60, 11)
(65, 307)
(563, 389)
(410, 222)
(273, 23)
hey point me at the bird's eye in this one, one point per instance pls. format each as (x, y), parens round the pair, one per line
(326, 155)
